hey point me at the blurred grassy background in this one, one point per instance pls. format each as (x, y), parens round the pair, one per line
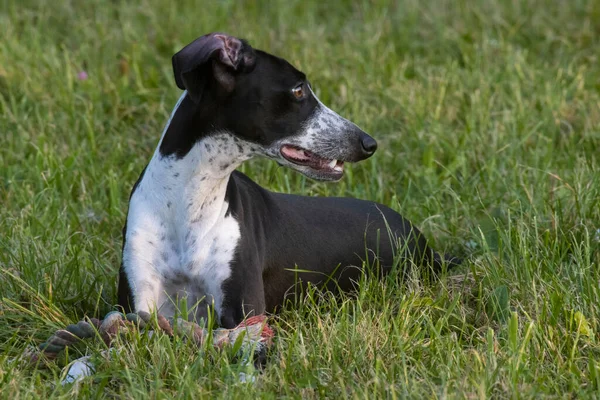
(488, 118)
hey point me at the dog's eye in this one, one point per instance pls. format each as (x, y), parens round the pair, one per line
(298, 91)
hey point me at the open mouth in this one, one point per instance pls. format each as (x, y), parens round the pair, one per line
(300, 156)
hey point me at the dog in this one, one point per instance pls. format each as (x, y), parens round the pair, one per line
(198, 230)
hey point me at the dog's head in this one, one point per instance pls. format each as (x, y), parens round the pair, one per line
(264, 100)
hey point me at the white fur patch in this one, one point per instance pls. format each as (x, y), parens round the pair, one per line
(179, 241)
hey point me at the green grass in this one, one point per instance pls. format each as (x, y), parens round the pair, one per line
(488, 118)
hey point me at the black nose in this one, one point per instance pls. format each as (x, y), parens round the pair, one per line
(369, 144)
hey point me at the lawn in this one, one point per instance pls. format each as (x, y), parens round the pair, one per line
(487, 115)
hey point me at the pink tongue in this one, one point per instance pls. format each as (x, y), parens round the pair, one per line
(294, 153)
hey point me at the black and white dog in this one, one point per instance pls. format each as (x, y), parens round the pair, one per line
(199, 230)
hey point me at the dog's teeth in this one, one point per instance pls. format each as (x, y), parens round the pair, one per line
(338, 168)
(332, 163)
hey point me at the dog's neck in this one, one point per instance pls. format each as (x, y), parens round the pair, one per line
(190, 169)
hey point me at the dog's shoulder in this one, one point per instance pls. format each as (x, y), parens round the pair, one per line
(241, 185)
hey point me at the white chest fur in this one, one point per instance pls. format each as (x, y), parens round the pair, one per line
(180, 240)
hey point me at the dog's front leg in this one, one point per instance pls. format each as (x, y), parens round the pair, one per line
(148, 294)
(244, 296)
(142, 274)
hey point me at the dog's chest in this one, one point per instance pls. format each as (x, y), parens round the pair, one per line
(189, 246)
(197, 255)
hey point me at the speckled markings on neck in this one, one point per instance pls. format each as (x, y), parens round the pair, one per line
(180, 239)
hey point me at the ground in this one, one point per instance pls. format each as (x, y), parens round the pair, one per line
(487, 115)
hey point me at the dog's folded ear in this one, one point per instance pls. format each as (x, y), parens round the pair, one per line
(214, 55)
